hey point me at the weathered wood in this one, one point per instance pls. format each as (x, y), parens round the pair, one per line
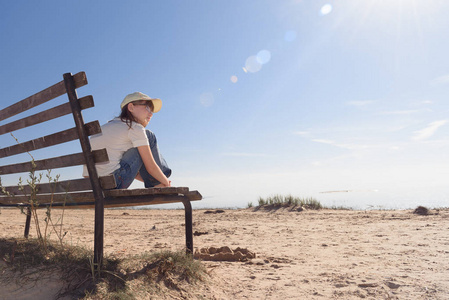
(124, 195)
(145, 192)
(74, 185)
(66, 191)
(27, 222)
(85, 201)
(54, 163)
(193, 195)
(188, 225)
(44, 199)
(143, 200)
(43, 96)
(70, 87)
(49, 114)
(49, 140)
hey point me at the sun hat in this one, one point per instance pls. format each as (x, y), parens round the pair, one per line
(136, 96)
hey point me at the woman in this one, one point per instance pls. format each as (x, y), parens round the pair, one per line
(132, 150)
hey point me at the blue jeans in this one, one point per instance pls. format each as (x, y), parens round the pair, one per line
(131, 164)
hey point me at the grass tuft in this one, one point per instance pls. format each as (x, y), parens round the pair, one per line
(289, 200)
(149, 274)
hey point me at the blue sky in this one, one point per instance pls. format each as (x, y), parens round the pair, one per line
(259, 97)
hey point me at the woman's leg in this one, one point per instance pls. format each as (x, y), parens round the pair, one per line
(149, 180)
(130, 164)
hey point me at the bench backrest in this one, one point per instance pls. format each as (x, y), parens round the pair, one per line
(60, 191)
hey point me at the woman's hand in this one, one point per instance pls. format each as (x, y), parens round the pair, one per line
(161, 185)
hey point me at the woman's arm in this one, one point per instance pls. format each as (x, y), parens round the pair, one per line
(151, 166)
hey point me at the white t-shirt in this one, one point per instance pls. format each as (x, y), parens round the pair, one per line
(117, 138)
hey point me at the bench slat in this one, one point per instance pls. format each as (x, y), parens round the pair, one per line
(119, 202)
(139, 201)
(43, 96)
(145, 191)
(54, 163)
(49, 140)
(46, 115)
(43, 199)
(83, 184)
(194, 195)
(76, 197)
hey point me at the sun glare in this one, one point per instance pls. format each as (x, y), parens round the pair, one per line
(403, 7)
(263, 57)
(252, 64)
(395, 21)
(326, 9)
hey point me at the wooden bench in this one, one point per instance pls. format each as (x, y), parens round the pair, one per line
(93, 192)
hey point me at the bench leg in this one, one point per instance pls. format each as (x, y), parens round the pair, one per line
(189, 226)
(98, 236)
(27, 223)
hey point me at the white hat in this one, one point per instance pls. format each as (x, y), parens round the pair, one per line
(157, 103)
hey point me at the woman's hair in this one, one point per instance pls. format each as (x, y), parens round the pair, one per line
(127, 117)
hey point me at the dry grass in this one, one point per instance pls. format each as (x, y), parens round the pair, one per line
(145, 276)
(278, 201)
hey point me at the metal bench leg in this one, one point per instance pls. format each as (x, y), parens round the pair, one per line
(189, 226)
(98, 235)
(27, 223)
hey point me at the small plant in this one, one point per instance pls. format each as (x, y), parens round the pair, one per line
(49, 220)
(250, 204)
(311, 203)
(30, 189)
(290, 200)
(177, 264)
(341, 207)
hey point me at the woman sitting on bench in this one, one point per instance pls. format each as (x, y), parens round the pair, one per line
(133, 151)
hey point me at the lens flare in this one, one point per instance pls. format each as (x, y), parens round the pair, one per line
(326, 9)
(252, 64)
(207, 99)
(263, 56)
(234, 79)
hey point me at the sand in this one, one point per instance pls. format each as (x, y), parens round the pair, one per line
(326, 254)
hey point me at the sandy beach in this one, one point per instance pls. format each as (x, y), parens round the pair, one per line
(325, 254)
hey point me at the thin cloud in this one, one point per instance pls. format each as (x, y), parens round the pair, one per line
(302, 133)
(429, 130)
(440, 80)
(323, 141)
